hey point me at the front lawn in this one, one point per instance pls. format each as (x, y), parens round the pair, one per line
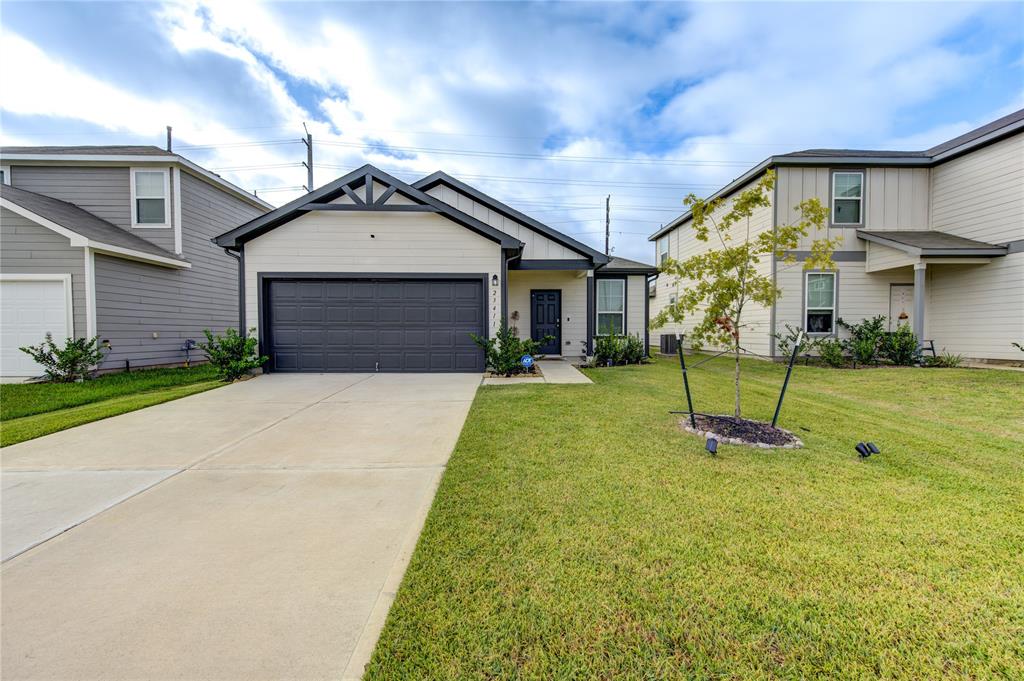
(577, 533)
(31, 410)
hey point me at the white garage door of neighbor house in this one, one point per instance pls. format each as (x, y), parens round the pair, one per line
(29, 309)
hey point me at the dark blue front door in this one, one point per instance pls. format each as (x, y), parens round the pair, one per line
(546, 320)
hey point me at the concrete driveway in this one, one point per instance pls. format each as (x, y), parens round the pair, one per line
(256, 531)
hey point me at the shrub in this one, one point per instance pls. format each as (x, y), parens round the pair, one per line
(609, 349)
(831, 351)
(865, 338)
(68, 364)
(633, 350)
(785, 341)
(232, 355)
(945, 360)
(1017, 345)
(900, 347)
(505, 351)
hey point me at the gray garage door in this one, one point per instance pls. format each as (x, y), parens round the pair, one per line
(374, 324)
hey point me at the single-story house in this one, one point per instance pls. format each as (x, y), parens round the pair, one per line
(369, 273)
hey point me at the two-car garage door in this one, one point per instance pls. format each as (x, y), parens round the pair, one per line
(373, 324)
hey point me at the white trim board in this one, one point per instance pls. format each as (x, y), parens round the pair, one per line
(90, 293)
(177, 209)
(69, 302)
(132, 172)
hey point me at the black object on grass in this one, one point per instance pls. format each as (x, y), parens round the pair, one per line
(862, 450)
(686, 381)
(711, 445)
(785, 383)
(873, 448)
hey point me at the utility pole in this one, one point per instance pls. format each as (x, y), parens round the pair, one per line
(309, 158)
(607, 222)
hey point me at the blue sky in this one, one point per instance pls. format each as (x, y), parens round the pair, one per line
(548, 106)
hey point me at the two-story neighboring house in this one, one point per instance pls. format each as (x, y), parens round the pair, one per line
(114, 242)
(933, 239)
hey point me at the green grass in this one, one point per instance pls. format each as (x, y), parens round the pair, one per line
(578, 533)
(31, 410)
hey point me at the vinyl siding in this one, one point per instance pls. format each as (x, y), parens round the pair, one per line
(135, 300)
(756, 335)
(323, 241)
(897, 198)
(879, 257)
(981, 195)
(636, 310)
(538, 246)
(977, 310)
(103, 191)
(859, 294)
(574, 304)
(28, 248)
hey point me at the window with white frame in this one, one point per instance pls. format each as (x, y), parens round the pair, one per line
(150, 204)
(662, 250)
(848, 198)
(820, 303)
(611, 306)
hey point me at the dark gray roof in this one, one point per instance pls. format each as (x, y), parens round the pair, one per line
(852, 153)
(441, 177)
(99, 150)
(931, 243)
(81, 221)
(336, 188)
(618, 264)
(990, 132)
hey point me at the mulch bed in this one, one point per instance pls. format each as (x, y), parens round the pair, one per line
(730, 430)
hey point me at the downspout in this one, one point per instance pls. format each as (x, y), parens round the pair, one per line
(240, 258)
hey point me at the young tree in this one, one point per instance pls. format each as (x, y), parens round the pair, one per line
(723, 280)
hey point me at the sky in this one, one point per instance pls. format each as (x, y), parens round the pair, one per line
(547, 107)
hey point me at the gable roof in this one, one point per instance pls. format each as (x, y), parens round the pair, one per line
(440, 177)
(94, 232)
(626, 266)
(989, 133)
(125, 154)
(344, 186)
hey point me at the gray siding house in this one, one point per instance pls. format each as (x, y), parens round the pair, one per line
(114, 242)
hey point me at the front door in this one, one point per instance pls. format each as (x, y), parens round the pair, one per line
(901, 305)
(546, 320)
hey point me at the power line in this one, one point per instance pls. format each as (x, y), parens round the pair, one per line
(381, 147)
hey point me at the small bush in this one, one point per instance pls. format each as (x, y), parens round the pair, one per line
(865, 338)
(900, 347)
(610, 349)
(1017, 345)
(633, 351)
(945, 360)
(785, 341)
(831, 351)
(68, 364)
(232, 355)
(505, 351)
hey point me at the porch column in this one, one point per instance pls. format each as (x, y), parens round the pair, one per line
(919, 294)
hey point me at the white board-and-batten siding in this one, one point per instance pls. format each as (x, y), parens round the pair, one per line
(537, 246)
(371, 242)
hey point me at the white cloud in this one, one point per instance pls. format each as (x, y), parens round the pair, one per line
(501, 78)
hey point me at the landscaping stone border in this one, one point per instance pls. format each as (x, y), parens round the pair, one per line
(722, 439)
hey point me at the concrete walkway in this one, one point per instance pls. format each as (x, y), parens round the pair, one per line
(256, 531)
(552, 371)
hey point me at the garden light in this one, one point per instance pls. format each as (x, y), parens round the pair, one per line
(873, 448)
(711, 445)
(862, 450)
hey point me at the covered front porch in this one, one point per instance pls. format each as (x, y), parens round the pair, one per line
(574, 301)
(954, 279)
